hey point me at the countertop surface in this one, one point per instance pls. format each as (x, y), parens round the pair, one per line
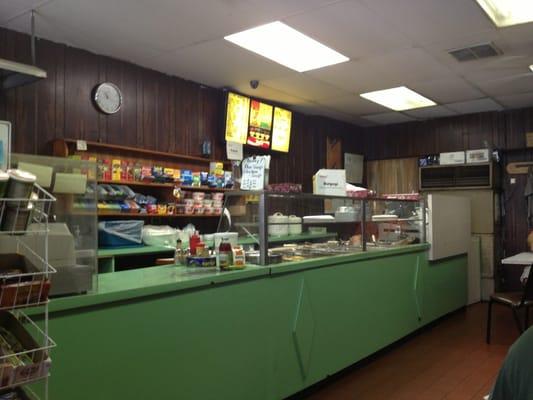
(136, 283)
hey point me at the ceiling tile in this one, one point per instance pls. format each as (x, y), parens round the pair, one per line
(431, 112)
(447, 90)
(410, 65)
(165, 25)
(355, 76)
(516, 100)
(309, 108)
(350, 28)
(503, 82)
(389, 118)
(428, 21)
(12, 8)
(354, 105)
(285, 8)
(474, 106)
(218, 63)
(305, 86)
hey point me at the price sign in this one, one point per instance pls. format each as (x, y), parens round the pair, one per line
(253, 173)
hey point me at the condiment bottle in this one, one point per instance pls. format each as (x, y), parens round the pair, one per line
(201, 250)
(225, 255)
(193, 242)
(178, 254)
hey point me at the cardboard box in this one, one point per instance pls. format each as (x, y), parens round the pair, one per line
(330, 182)
(455, 157)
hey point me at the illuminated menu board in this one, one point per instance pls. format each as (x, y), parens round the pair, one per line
(237, 114)
(281, 133)
(260, 126)
(257, 124)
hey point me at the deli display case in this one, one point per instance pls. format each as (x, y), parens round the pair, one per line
(287, 227)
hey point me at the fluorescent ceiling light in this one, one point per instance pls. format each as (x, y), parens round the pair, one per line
(287, 46)
(398, 99)
(508, 12)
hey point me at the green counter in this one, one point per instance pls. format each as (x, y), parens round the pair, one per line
(259, 333)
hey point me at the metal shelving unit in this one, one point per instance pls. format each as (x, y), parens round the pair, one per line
(24, 230)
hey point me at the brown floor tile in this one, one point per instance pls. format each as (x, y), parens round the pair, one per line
(449, 361)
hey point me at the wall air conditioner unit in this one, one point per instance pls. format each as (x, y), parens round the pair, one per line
(465, 176)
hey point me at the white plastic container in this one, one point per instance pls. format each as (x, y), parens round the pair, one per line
(163, 236)
(278, 224)
(295, 225)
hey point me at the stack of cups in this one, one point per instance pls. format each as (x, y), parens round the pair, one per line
(17, 211)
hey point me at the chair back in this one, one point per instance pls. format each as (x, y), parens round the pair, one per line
(528, 289)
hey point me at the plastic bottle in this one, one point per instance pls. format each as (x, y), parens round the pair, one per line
(225, 255)
(193, 242)
(178, 254)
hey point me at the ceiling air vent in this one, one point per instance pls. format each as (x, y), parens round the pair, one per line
(476, 52)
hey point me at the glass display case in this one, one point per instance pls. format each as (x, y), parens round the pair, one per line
(282, 227)
(73, 225)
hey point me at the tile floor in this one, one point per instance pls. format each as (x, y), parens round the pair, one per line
(449, 361)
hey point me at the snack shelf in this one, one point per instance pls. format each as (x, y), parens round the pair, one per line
(164, 185)
(145, 215)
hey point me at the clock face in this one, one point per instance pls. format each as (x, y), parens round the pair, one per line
(108, 98)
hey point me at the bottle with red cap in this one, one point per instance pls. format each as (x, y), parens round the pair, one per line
(193, 242)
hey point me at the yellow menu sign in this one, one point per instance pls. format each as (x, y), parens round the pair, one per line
(260, 126)
(281, 132)
(237, 114)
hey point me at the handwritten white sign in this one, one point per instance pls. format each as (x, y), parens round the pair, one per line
(253, 173)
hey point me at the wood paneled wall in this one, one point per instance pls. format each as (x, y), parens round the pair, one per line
(159, 112)
(397, 175)
(500, 130)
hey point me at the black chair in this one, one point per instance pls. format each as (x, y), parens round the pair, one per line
(515, 300)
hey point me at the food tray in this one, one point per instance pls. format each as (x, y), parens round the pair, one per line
(201, 262)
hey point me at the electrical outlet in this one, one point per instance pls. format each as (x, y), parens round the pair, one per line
(513, 181)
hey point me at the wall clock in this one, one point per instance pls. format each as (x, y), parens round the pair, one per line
(107, 98)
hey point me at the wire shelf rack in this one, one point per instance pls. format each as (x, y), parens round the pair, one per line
(24, 282)
(24, 350)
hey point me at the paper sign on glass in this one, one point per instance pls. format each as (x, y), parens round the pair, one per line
(253, 173)
(234, 151)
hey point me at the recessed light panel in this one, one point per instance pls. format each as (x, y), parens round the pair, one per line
(287, 46)
(508, 12)
(399, 99)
